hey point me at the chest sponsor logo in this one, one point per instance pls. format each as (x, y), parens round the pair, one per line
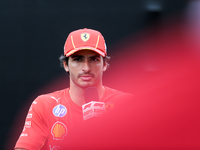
(59, 131)
(109, 106)
(53, 147)
(59, 111)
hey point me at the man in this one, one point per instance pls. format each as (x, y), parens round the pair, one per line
(51, 116)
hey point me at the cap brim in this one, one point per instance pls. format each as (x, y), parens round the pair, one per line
(85, 48)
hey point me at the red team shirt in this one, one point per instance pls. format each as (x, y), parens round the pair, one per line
(51, 116)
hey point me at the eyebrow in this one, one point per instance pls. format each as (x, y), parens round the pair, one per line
(95, 56)
(73, 56)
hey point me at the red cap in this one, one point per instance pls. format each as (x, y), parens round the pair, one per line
(85, 39)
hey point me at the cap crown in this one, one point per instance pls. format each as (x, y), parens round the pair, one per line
(85, 39)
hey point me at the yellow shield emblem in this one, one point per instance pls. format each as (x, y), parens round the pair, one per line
(85, 36)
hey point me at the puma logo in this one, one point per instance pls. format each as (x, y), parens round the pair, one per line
(55, 98)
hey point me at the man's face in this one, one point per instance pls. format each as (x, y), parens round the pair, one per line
(85, 69)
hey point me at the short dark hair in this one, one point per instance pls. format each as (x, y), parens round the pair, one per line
(65, 59)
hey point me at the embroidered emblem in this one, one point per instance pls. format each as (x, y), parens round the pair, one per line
(85, 36)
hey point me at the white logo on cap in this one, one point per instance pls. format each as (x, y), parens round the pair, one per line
(85, 36)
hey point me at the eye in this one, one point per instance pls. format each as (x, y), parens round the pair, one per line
(95, 59)
(79, 59)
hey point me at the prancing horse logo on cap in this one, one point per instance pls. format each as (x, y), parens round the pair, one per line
(85, 36)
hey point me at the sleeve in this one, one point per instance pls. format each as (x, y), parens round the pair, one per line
(35, 131)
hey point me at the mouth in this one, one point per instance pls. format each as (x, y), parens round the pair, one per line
(86, 77)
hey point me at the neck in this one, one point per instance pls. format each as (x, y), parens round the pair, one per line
(77, 93)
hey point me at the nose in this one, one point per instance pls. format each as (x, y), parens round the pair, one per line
(86, 66)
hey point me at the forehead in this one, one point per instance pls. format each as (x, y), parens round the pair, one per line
(85, 53)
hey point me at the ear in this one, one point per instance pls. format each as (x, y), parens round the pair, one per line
(65, 66)
(105, 66)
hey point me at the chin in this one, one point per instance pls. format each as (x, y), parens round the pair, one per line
(86, 85)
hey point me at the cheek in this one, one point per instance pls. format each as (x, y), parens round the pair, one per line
(73, 64)
(73, 69)
(98, 68)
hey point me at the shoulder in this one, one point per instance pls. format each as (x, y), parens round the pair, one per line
(46, 102)
(115, 92)
(53, 97)
(111, 93)
(49, 100)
